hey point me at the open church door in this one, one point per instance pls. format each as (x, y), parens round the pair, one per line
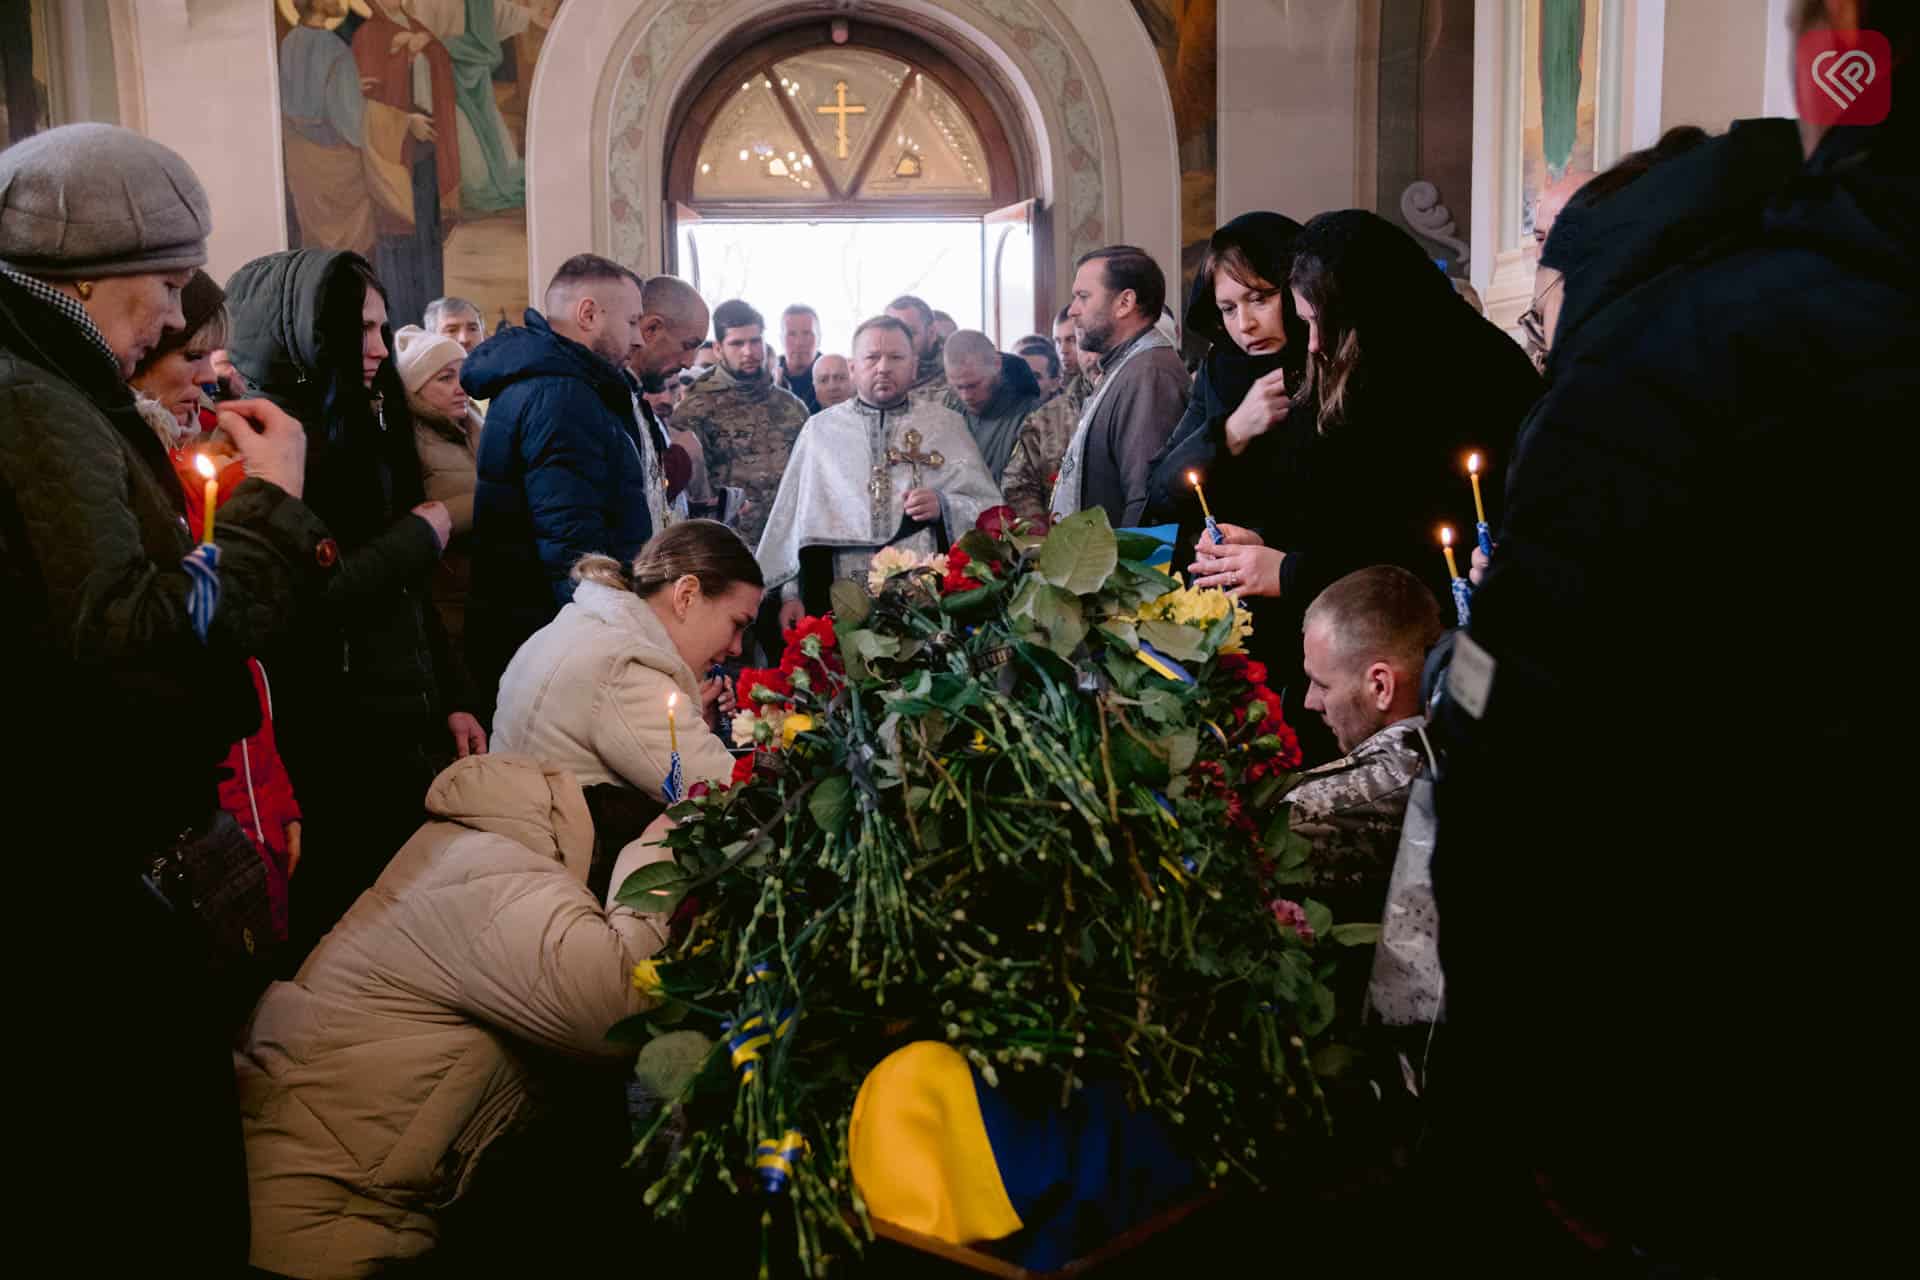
(681, 220)
(1014, 246)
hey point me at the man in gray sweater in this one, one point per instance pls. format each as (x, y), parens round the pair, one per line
(1118, 293)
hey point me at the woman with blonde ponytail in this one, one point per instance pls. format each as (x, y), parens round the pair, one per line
(589, 691)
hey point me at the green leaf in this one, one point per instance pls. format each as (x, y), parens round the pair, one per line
(1316, 1011)
(1355, 935)
(1181, 749)
(1080, 552)
(1119, 632)
(870, 644)
(1058, 613)
(1319, 918)
(1178, 641)
(656, 887)
(831, 803)
(851, 604)
(980, 547)
(963, 604)
(1329, 1060)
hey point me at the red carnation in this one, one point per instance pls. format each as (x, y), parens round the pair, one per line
(957, 578)
(1291, 915)
(997, 522)
(773, 680)
(820, 628)
(742, 768)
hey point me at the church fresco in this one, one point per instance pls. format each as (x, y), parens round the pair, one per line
(1186, 36)
(403, 124)
(1560, 92)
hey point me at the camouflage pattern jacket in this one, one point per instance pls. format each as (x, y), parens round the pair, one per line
(747, 427)
(1028, 479)
(1352, 810)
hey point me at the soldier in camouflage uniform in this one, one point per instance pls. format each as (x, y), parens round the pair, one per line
(1028, 479)
(1366, 639)
(930, 378)
(746, 424)
(1074, 383)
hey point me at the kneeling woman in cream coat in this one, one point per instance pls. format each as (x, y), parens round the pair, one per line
(431, 1021)
(589, 690)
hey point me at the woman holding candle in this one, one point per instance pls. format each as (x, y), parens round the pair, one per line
(122, 711)
(610, 689)
(1404, 380)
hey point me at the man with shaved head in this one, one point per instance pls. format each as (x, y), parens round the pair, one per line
(562, 464)
(1002, 402)
(1366, 641)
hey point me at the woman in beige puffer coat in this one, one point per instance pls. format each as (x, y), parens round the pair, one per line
(372, 1083)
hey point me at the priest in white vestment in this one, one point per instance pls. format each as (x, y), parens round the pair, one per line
(875, 471)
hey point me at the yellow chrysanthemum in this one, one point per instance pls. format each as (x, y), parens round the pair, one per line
(646, 978)
(795, 724)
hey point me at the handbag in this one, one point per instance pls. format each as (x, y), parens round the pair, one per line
(215, 877)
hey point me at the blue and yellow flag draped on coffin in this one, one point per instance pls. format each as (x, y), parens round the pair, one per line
(937, 1150)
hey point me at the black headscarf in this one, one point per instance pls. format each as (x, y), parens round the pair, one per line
(1266, 241)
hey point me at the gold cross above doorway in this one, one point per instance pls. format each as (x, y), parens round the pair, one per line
(842, 108)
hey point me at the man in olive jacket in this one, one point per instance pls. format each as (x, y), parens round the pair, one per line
(121, 711)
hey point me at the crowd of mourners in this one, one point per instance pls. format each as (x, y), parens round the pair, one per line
(342, 645)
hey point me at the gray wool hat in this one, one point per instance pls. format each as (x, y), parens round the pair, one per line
(89, 200)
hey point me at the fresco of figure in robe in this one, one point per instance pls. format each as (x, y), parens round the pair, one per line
(404, 123)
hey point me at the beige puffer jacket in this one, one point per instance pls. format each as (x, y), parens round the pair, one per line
(371, 1083)
(589, 691)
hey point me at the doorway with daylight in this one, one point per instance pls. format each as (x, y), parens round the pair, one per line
(843, 166)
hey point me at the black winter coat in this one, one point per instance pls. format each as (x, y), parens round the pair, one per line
(560, 476)
(118, 717)
(1655, 815)
(376, 646)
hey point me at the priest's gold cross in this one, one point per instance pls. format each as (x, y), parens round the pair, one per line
(843, 109)
(912, 456)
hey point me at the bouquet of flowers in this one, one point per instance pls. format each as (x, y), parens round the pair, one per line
(1010, 798)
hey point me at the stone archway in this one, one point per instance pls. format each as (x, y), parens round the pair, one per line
(603, 97)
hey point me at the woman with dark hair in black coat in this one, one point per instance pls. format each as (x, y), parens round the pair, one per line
(1404, 380)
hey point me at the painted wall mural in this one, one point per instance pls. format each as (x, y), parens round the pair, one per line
(1186, 35)
(404, 125)
(1559, 104)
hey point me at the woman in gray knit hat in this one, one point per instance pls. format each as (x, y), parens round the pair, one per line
(128, 710)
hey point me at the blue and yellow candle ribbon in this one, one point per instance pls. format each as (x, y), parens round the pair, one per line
(774, 1160)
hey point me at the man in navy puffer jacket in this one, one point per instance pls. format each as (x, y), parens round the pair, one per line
(561, 469)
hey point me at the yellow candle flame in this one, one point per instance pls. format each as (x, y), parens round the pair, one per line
(1473, 477)
(1473, 464)
(204, 465)
(1193, 478)
(1446, 536)
(1446, 549)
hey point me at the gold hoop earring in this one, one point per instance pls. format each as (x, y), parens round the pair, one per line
(85, 289)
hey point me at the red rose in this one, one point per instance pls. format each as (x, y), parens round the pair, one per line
(1291, 915)
(699, 791)
(996, 522)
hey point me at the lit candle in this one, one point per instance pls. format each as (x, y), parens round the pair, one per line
(1462, 592)
(204, 465)
(1479, 507)
(673, 785)
(1193, 478)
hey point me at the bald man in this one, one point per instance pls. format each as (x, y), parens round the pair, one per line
(673, 324)
(832, 380)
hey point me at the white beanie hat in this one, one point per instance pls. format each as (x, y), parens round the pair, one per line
(419, 354)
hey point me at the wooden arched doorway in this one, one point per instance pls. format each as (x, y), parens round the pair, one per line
(852, 158)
